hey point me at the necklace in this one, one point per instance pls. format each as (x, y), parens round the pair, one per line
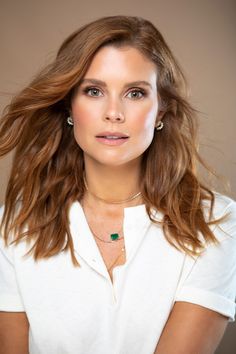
(111, 201)
(113, 237)
(109, 268)
(115, 261)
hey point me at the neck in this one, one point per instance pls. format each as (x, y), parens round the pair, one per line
(116, 184)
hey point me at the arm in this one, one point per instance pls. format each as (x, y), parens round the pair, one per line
(14, 330)
(191, 329)
(14, 326)
(205, 300)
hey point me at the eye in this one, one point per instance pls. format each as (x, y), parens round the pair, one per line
(93, 91)
(136, 94)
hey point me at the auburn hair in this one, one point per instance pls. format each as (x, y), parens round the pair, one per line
(47, 171)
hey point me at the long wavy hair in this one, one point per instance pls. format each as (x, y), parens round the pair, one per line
(47, 173)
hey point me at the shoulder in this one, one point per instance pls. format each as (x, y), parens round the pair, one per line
(222, 205)
(5, 250)
(210, 279)
(224, 210)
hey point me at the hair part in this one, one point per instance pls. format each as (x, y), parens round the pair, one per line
(47, 173)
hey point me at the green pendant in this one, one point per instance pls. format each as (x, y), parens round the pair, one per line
(114, 237)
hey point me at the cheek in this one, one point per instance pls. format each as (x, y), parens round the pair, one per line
(145, 118)
(81, 114)
(82, 123)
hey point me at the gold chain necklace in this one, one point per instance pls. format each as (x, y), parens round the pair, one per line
(119, 255)
(111, 201)
(114, 263)
(114, 237)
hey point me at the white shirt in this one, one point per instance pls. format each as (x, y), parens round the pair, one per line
(79, 311)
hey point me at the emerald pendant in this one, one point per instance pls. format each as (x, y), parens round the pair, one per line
(114, 237)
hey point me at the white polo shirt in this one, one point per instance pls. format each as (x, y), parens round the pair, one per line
(79, 311)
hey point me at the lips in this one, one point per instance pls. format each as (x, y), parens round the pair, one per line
(112, 138)
(112, 135)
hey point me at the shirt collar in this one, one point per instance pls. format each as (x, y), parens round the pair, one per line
(136, 222)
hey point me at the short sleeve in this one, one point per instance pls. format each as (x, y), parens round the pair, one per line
(211, 282)
(10, 299)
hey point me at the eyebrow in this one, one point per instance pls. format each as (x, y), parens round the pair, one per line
(102, 83)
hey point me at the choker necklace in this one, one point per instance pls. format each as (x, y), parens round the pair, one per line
(112, 201)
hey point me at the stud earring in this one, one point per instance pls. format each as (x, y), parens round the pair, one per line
(70, 121)
(160, 125)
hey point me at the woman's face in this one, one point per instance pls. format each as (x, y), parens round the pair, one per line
(115, 108)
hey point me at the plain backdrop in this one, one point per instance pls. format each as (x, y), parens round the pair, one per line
(201, 34)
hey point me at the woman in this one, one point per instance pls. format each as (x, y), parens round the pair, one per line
(110, 244)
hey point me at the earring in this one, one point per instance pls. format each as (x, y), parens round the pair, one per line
(70, 121)
(160, 125)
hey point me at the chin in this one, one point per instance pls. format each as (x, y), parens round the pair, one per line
(113, 158)
(116, 162)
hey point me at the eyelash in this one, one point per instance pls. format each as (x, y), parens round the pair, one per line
(87, 89)
(138, 90)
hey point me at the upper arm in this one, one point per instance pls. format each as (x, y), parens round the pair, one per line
(191, 329)
(10, 295)
(14, 325)
(14, 330)
(205, 298)
(211, 280)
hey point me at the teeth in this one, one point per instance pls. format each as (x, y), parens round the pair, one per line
(114, 137)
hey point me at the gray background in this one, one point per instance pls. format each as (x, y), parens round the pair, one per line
(201, 33)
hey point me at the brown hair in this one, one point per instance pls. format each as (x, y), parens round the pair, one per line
(46, 177)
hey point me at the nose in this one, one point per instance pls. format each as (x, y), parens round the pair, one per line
(114, 112)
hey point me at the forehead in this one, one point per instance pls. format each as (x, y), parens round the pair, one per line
(121, 62)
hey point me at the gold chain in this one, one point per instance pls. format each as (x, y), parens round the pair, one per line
(120, 254)
(112, 201)
(114, 263)
(120, 238)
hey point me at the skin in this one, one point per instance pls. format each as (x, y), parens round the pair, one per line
(117, 94)
(14, 329)
(116, 104)
(191, 329)
(113, 174)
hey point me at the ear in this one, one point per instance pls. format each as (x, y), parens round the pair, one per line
(161, 113)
